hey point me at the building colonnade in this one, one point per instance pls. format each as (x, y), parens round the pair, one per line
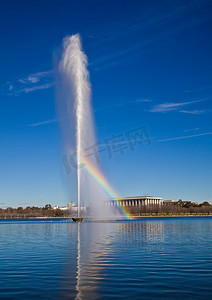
(136, 202)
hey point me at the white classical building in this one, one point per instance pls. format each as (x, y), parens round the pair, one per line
(168, 202)
(61, 207)
(136, 201)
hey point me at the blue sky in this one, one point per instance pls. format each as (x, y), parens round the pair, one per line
(150, 65)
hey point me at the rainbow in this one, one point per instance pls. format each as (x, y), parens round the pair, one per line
(101, 180)
(95, 173)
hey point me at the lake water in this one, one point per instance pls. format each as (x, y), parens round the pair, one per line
(152, 258)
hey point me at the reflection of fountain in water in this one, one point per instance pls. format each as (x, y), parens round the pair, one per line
(74, 104)
(104, 248)
(93, 251)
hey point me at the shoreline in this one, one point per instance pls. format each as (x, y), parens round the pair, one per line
(132, 217)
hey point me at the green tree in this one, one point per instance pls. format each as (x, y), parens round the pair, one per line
(48, 206)
(205, 203)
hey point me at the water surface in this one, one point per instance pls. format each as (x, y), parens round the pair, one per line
(152, 258)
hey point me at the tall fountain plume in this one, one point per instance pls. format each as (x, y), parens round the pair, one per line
(74, 102)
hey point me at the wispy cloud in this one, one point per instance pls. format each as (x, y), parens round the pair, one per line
(199, 89)
(36, 87)
(193, 112)
(184, 137)
(35, 77)
(171, 106)
(151, 26)
(188, 130)
(125, 103)
(120, 30)
(125, 53)
(143, 100)
(32, 82)
(43, 123)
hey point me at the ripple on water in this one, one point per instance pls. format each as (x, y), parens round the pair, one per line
(146, 259)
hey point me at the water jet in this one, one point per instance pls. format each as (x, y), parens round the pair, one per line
(85, 179)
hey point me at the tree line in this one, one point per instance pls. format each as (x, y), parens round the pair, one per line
(33, 212)
(176, 208)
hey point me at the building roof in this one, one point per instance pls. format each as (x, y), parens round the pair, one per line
(168, 201)
(139, 197)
